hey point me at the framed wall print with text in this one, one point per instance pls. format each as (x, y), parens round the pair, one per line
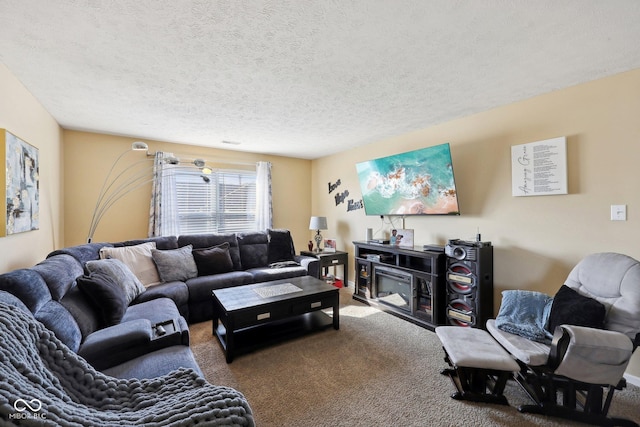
(539, 168)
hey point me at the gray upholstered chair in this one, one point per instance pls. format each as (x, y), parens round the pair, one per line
(569, 377)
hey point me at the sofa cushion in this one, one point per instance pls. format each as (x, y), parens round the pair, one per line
(83, 253)
(200, 298)
(58, 320)
(162, 242)
(571, 308)
(200, 287)
(107, 296)
(280, 246)
(120, 273)
(155, 311)
(60, 273)
(253, 249)
(28, 286)
(209, 240)
(213, 260)
(175, 264)
(139, 260)
(177, 291)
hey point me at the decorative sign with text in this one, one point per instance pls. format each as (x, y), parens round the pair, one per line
(539, 168)
(341, 197)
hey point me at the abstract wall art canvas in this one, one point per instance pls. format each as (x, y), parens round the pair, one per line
(21, 201)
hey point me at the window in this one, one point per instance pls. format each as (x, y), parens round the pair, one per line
(222, 202)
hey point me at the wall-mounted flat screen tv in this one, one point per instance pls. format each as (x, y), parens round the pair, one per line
(419, 182)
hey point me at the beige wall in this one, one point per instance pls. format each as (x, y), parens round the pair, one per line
(22, 115)
(536, 240)
(89, 156)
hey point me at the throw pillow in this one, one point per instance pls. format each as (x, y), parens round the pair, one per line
(175, 264)
(106, 295)
(571, 308)
(82, 309)
(139, 260)
(120, 273)
(213, 260)
(525, 313)
(280, 246)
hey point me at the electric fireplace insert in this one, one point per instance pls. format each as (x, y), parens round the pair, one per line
(394, 287)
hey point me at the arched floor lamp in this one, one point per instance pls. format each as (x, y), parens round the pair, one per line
(116, 186)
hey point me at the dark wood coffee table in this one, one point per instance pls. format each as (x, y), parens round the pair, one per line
(251, 316)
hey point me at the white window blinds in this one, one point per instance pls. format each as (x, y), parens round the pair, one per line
(222, 202)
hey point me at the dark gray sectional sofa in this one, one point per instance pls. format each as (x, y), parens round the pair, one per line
(123, 339)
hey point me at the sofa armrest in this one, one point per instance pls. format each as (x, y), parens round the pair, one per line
(311, 264)
(590, 355)
(116, 344)
(183, 327)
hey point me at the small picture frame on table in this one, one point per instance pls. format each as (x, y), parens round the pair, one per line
(402, 238)
(329, 245)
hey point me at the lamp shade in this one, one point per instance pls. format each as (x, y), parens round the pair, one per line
(318, 223)
(139, 146)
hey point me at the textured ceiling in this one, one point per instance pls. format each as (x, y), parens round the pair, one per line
(303, 78)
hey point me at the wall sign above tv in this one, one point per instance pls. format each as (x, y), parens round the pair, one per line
(418, 182)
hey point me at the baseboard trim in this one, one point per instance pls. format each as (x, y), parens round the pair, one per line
(632, 379)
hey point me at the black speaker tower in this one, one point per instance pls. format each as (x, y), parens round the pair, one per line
(469, 280)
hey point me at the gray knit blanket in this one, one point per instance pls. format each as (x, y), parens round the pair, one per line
(43, 382)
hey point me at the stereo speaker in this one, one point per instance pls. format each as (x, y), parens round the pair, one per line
(369, 234)
(469, 284)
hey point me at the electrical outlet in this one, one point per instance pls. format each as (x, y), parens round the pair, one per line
(618, 212)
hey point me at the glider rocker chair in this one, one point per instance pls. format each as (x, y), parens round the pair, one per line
(576, 375)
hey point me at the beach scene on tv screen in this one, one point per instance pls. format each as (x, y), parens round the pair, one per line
(419, 182)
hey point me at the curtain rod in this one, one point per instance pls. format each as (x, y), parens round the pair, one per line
(218, 160)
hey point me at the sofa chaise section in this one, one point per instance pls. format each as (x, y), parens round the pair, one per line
(50, 292)
(67, 391)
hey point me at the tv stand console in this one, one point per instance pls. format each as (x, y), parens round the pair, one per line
(407, 282)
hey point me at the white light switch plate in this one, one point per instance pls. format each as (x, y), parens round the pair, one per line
(618, 212)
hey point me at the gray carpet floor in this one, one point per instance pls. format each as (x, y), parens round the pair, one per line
(376, 370)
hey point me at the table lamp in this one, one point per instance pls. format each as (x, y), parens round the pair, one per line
(318, 223)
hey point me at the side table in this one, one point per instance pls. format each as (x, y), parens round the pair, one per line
(331, 259)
